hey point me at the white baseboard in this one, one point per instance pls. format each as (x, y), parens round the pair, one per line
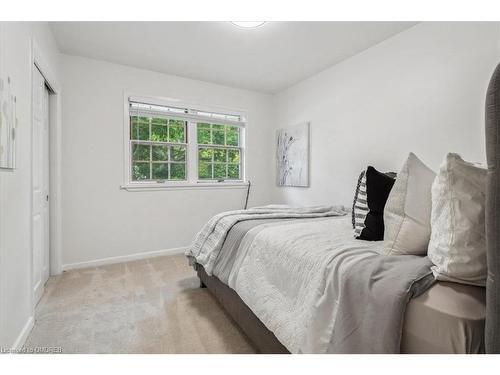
(123, 258)
(23, 335)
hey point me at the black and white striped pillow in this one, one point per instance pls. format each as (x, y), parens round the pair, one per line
(359, 205)
(372, 191)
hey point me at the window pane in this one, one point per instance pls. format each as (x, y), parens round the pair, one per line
(179, 123)
(233, 171)
(217, 127)
(177, 171)
(177, 130)
(233, 156)
(140, 152)
(203, 134)
(160, 171)
(140, 171)
(233, 136)
(178, 153)
(159, 133)
(159, 121)
(204, 170)
(139, 131)
(219, 170)
(218, 137)
(205, 154)
(160, 153)
(220, 155)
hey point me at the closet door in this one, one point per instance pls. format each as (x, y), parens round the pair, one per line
(40, 184)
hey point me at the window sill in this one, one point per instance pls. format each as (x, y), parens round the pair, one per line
(187, 186)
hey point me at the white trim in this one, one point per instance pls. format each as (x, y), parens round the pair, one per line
(171, 102)
(123, 258)
(188, 186)
(187, 117)
(23, 335)
(55, 157)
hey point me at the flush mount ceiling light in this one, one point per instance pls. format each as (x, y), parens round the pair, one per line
(248, 24)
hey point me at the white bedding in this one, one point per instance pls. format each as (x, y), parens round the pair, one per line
(208, 242)
(312, 284)
(294, 289)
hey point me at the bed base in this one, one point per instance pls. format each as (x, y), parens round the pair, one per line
(263, 339)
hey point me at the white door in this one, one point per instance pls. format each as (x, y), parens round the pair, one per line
(40, 184)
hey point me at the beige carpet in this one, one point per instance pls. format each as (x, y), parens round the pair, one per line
(146, 306)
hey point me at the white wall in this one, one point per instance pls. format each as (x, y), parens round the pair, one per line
(99, 219)
(422, 90)
(15, 210)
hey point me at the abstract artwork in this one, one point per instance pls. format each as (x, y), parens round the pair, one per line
(8, 117)
(292, 153)
(8, 124)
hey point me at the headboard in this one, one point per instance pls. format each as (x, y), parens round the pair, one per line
(492, 328)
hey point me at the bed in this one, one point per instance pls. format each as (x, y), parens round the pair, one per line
(446, 318)
(436, 317)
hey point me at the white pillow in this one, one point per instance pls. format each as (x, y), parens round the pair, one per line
(458, 245)
(407, 213)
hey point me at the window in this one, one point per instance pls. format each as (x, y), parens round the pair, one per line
(219, 152)
(175, 146)
(158, 148)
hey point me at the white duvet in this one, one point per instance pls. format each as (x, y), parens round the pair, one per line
(208, 242)
(289, 274)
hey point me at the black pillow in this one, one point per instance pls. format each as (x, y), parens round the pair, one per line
(369, 202)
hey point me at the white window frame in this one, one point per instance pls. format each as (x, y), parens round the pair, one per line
(192, 118)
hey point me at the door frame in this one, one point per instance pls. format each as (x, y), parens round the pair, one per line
(55, 159)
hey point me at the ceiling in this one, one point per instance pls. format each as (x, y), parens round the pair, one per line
(268, 59)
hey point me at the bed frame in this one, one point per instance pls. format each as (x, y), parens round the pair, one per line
(263, 339)
(266, 342)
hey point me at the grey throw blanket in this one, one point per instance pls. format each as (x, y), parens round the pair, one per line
(373, 302)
